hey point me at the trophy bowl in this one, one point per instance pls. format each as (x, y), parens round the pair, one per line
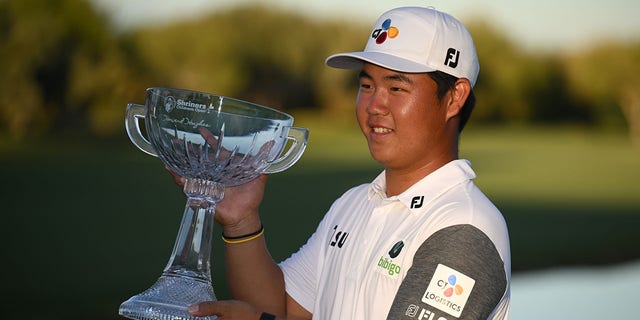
(213, 142)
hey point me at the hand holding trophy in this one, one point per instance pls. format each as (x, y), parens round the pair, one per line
(212, 141)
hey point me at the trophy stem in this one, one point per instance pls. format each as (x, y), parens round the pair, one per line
(187, 277)
(192, 249)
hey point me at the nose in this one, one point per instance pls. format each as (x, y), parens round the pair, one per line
(376, 103)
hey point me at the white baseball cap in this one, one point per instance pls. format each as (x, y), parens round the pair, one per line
(416, 40)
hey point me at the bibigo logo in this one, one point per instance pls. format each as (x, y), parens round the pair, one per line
(386, 31)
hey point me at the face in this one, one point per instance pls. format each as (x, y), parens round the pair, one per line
(403, 120)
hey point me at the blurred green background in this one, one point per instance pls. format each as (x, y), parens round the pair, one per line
(89, 220)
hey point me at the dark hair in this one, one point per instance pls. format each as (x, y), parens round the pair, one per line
(445, 82)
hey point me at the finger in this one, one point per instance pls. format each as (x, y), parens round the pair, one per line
(263, 178)
(266, 148)
(229, 309)
(208, 136)
(207, 308)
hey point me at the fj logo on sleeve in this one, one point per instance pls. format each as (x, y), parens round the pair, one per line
(448, 290)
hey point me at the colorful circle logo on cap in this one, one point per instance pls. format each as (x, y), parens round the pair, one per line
(387, 31)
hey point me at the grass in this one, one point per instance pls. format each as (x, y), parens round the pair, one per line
(87, 224)
(555, 165)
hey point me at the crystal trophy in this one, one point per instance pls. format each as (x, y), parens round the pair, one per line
(213, 142)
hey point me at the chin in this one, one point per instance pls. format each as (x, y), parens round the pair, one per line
(380, 157)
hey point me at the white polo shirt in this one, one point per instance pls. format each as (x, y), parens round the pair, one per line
(439, 250)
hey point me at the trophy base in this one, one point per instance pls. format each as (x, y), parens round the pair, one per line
(168, 299)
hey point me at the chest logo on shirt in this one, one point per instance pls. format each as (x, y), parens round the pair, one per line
(395, 250)
(390, 267)
(338, 238)
(416, 202)
(448, 290)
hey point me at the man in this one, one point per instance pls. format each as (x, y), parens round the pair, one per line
(419, 242)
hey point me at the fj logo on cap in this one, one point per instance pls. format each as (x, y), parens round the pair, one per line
(386, 31)
(452, 58)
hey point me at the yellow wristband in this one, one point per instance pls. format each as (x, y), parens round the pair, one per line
(243, 239)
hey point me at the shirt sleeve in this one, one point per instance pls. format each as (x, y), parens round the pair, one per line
(300, 273)
(456, 273)
(301, 269)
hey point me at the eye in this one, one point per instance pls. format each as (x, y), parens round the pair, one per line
(402, 88)
(365, 85)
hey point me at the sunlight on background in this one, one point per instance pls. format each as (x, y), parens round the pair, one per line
(539, 25)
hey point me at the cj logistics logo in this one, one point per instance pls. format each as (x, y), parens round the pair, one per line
(448, 290)
(451, 286)
(386, 31)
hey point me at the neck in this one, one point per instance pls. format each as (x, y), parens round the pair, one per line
(402, 177)
(398, 181)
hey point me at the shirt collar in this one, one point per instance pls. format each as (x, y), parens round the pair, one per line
(428, 188)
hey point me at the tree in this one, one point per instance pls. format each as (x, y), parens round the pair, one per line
(607, 75)
(253, 53)
(63, 69)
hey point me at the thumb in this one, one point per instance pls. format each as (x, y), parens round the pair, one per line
(207, 308)
(230, 309)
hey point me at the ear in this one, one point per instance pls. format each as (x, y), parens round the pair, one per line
(458, 95)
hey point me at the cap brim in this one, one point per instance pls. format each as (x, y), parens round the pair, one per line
(355, 60)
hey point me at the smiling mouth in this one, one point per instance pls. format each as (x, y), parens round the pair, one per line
(381, 130)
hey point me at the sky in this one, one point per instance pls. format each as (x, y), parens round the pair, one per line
(548, 25)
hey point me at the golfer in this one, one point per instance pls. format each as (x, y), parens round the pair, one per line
(420, 241)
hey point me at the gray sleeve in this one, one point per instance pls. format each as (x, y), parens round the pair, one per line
(457, 273)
